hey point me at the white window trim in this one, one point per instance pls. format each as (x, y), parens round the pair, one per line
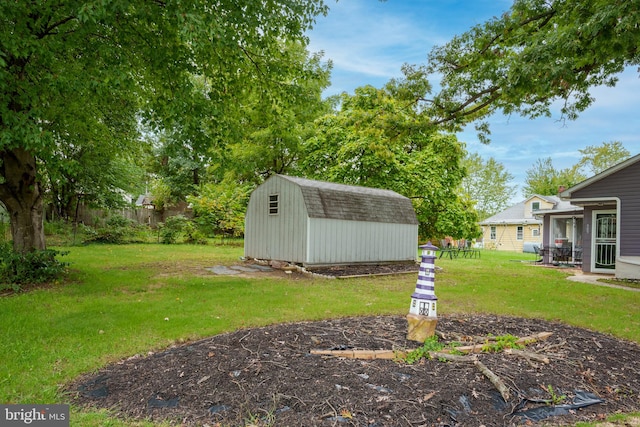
(274, 204)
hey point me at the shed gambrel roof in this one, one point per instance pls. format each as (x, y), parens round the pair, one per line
(353, 203)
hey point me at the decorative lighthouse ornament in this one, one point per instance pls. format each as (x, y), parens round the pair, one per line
(422, 317)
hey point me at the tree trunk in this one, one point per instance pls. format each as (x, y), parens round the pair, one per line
(20, 193)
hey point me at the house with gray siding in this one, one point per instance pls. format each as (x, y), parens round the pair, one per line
(322, 223)
(611, 219)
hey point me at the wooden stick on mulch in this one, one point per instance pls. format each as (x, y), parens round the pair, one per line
(362, 354)
(528, 355)
(479, 348)
(473, 358)
(495, 380)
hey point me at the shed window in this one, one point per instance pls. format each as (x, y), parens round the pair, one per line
(273, 204)
(520, 233)
(493, 233)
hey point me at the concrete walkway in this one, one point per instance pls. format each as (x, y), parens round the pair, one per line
(238, 269)
(579, 276)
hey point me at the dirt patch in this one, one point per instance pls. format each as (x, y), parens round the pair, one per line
(266, 376)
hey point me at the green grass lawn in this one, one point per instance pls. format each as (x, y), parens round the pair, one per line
(124, 300)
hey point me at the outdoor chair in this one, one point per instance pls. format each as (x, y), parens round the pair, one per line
(469, 250)
(561, 255)
(577, 256)
(447, 250)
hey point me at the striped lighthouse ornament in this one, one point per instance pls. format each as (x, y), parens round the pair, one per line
(423, 311)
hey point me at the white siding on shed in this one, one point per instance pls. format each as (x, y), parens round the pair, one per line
(338, 241)
(337, 232)
(276, 236)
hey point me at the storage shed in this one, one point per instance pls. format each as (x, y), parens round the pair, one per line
(322, 223)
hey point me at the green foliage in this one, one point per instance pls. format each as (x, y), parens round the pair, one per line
(162, 193)
(20, 269)
(536, 53)
(501, 343)
(220, 208)
(172, 228)
(115, 229)
(78, 78)
(430, 344)
(379, 139)
(544, 179)
(274, 129)
(193, 234)
(596, 159)
(556, 399)
(486, 184)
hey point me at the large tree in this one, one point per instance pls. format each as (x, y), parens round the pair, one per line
(596, 159)
(377, 138)
(544, 179)
(487, 184)
(536, 53)
(77, 71)
(274, 130)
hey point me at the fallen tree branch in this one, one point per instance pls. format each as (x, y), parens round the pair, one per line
(479, 348)
(495, 380)
(528, 355)
(362, 354)
(453, 357)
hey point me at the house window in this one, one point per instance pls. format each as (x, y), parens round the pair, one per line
(535, 206)
(273, 204)
(535, 232)
(493, 233)
(520, 233)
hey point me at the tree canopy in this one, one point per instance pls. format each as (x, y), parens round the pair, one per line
(543, 178)
(487, 184)
(74, 73)
(538, 52)
(596, 159)
(377, 138)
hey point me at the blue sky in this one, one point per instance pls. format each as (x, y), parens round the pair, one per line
(369, 40)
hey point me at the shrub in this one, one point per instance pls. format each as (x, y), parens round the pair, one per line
(193, 234)
(117, 229)
(17, 269)
(222, 207)
(172, 228)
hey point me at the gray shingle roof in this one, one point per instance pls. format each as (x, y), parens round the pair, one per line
(512, 215)
(354, 203)
(516, 214)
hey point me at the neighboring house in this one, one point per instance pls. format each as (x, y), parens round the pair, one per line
(517, 228)
(611, 227)
(321, 223)
(145, 201)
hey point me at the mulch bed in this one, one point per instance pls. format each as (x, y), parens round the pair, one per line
(267, 376)
(365, 269)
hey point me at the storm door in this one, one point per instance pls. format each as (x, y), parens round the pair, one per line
(604, 241)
